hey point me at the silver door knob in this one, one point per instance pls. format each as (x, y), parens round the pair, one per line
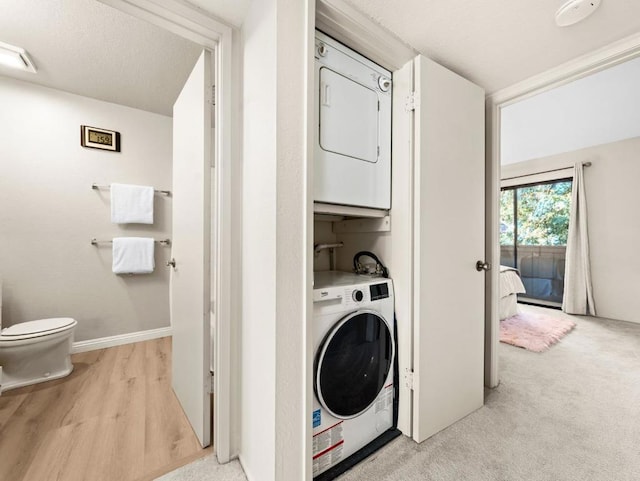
(482, 266)
(171, 263)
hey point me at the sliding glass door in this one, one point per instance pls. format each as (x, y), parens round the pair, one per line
(534, 223)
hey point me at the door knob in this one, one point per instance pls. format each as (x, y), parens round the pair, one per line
(482, 266)
(171, 263)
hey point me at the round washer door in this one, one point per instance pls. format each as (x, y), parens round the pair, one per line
(353, 363)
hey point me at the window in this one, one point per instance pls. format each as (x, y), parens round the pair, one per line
(534, 224)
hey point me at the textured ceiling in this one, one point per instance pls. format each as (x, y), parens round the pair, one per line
(88, 48)
(497, 43)
(231, 11)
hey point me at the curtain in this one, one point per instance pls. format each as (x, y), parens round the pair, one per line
(578, 290)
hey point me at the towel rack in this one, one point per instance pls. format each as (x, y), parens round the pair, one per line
(163, 192)
(164, 242)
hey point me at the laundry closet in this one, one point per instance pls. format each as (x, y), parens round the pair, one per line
(398, 184)
(353, 313)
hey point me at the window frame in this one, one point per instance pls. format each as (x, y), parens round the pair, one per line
(529, 300)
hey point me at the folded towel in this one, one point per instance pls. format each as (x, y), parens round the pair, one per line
(133, 255)
(131, 204)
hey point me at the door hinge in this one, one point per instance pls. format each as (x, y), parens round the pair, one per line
(211, 100)
(212, 383)
(412, 102)
(408, 378)
(211, 96)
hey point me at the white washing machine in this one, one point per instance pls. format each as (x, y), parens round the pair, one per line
(353, 118)
(354, 349)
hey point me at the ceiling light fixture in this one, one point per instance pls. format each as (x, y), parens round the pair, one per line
(574, 11)
(15, 57)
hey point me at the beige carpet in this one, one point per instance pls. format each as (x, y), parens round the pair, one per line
(569, 414)
(207, 469)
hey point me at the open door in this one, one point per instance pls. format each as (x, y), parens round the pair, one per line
(449, 220)
(191, 251)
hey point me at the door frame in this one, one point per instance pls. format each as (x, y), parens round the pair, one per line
(212, 34)
(580, 67)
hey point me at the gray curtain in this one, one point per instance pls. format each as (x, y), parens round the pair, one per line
(578, 290)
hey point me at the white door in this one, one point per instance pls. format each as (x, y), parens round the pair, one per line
(449, 218)
(190, 277)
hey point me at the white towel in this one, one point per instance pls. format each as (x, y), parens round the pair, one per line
(131, 204)
(133, 255)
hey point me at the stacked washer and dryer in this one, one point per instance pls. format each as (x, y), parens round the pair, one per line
(353, 315)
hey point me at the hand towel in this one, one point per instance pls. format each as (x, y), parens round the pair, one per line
(133, 255)
(131, 204)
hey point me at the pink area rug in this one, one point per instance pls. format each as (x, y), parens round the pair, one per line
(535, 332)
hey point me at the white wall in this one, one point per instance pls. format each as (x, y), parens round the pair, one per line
(598, 109)
(323, 234)
(611, 185)
(377, 242)
(276, 264)
(258, 362)
(49, 213)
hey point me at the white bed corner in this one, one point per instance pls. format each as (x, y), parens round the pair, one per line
(510, 286)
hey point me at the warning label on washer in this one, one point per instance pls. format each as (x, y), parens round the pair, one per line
(317, 418)
(385, 399)
(327, 448)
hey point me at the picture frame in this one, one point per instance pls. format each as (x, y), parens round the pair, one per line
(97, 138)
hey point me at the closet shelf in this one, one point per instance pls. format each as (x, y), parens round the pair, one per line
(352, 226)
(348, 211)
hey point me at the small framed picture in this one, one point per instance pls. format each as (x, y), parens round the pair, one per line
(96, 138)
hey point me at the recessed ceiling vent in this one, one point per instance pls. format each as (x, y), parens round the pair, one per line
(574, 11)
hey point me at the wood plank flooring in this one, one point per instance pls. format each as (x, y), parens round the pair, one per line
(114, 418)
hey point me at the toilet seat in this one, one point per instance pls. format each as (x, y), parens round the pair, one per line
(38, 328)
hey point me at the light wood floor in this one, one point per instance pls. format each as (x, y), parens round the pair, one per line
(114, 417)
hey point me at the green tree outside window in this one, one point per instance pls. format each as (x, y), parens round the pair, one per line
(542, 216)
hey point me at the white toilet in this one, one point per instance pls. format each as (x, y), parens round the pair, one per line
(35, 351)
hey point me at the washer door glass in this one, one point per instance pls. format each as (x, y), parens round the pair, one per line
(353, 364)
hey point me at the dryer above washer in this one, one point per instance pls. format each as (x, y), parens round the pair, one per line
(353, 136)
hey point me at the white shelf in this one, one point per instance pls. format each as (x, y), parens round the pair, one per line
(348, 211)
(362, 225)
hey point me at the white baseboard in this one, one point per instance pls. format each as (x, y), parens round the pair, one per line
(101, 343)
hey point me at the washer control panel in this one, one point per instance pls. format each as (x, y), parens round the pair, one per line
(379, 291)
(336, 291)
